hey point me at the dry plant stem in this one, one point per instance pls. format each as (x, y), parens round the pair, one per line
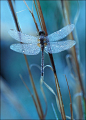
(78, 102)
(38, 31)
(32, 16)
(52, 61)
(36, 95)
(30, 94)
(60, 98)
(32, 82)
(41, 17)
(45, 101)
(67, 20)
(73, 52)
(71, 109)
(12, 99)
(14, 15)
(38, 14)
(66, 15)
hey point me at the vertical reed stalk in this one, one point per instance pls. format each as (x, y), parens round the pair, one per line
(52, 61)
(31, 79)
(38, 14)
(67, 21)
(37, 31)
(71, 109)
(73, 51)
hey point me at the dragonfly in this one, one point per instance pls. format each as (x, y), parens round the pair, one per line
(31, 45)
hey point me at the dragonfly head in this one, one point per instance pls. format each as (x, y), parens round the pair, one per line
(41, 33)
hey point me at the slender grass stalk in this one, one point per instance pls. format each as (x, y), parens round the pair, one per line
(52, 91)
(41, 17)
(36, 95)
(42, 90)
(38, 15)
(14, 15)
(30, 94)
(12, 99)
(75, 31)
(84, 109)
(73, 51)
(32, 16)
(41, 79)
(71, 109)
(31, 79)
(54, 111)
(52, 61)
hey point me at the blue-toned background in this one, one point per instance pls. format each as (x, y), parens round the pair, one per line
(16, 102)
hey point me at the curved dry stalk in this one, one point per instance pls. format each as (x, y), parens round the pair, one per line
(77, 102)
(66, 15)
(38, 31)
(73, 52)
(41, 82)
(12, 99)
(41, 17)
(77, 14)
(38, 15)
(71, 109)
(52, 91)
(27, 6)
(31, 79)
(32, 16)
(14, 15)
(54, 111)
(30, 94)
(52, 62)
(60, 98)
(36, 95)
(42, 90)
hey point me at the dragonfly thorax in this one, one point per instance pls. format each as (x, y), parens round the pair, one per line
(42, 37)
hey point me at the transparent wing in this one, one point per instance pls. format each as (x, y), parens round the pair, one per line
(27, 49)
(56, 47)
(61, 33)
(22, 37)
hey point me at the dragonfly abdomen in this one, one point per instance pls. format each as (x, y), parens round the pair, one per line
(42, 62)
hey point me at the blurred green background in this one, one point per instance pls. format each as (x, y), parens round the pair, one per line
(16, 102)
